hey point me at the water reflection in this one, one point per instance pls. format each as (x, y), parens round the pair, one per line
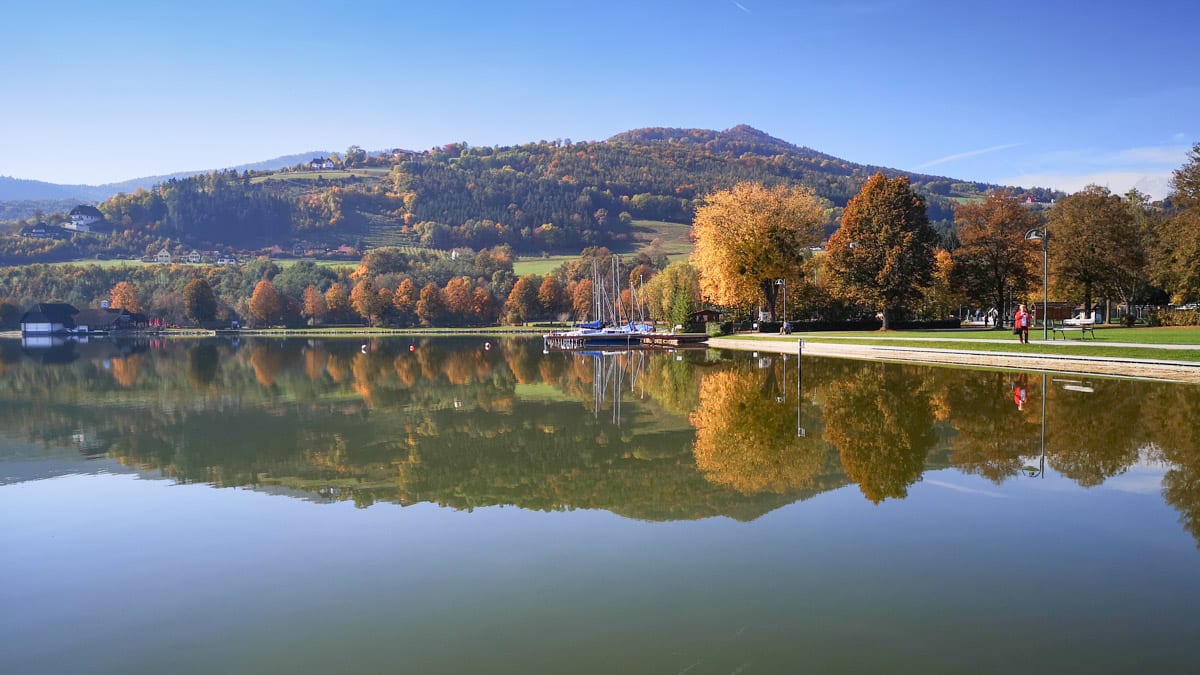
(648, 435)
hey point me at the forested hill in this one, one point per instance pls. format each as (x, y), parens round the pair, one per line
(735, 142)
(553, 196)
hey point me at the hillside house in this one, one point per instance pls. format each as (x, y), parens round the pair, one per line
(195, 257)
(84, 218)
(163, 256)
(43, 231)
(46, 318)
(227, 260)
(319, 163)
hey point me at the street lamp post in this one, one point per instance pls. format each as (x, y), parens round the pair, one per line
(782, 283)
(1043, 235)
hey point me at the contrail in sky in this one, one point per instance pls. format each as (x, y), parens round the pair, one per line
(740, 6)
(964, 155)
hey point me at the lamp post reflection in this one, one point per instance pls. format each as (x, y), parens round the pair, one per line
(1039, 471)
(800, 433)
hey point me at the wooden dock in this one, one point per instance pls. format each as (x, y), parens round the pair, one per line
(673, 339)
(627, 341)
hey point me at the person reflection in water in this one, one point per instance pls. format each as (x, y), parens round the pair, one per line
(1020, 391)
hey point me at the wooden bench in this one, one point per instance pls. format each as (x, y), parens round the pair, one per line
(1061, 327)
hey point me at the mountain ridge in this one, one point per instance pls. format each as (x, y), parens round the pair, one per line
(734, 141)
(27, 189)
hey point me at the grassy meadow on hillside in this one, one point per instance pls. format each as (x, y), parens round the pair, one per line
(673, 240)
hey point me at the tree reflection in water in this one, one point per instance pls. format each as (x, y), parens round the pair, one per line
(701, 434)
(880, 419)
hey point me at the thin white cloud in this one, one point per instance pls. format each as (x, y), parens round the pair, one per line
(1157, 184)
(740, 6)
(964, 155)
(1169, 155)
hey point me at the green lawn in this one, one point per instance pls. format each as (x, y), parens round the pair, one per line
(1074, 349)
(1188, 335)
(101, 263)
(540, 266)
(1105, 343)
(284, 263)
(673, 237)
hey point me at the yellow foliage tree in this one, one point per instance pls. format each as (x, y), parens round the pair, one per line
(751, 235)
(746, 441)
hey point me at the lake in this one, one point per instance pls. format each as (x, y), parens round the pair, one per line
(469, 505)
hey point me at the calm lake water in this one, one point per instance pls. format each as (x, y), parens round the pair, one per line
(464, 507)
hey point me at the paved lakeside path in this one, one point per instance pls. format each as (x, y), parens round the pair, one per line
(996, 341)
(1156, 369)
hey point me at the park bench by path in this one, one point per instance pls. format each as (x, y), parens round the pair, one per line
(1081, 323)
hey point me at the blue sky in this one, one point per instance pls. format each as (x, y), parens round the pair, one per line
(1041, 93)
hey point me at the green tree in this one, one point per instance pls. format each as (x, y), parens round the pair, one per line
(1185, 181)
(293, 279)
(882, 255)
(1095, 243)
(1177, 253)
(354, 156)
(751, 235)
(674, 293)
(199, 302)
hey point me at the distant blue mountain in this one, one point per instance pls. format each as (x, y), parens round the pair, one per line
(20, 189)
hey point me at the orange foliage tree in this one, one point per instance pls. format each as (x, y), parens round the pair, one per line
(314, 304)
(337, 302)
(994, 258)
(124, 296)
(265, 303)
(882, 255)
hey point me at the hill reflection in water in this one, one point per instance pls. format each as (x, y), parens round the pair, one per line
(467, 423)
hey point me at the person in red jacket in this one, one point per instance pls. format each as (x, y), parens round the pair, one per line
(1021, 324)
(1020, 391)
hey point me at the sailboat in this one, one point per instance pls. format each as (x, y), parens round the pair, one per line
(612, 327)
